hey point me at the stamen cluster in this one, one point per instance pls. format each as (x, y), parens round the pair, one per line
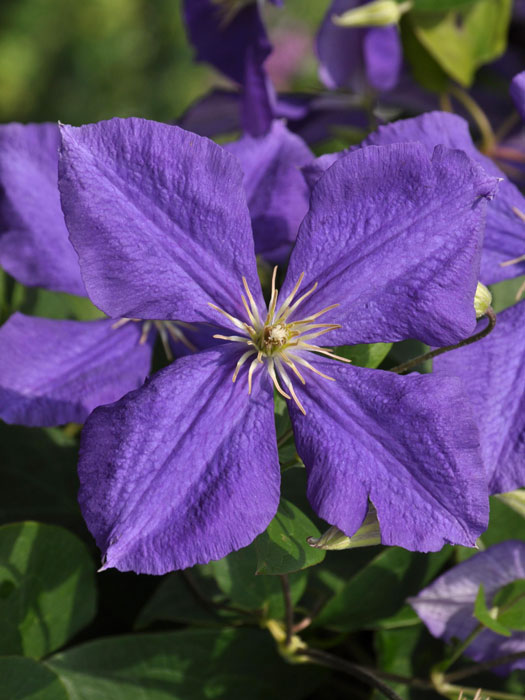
(278, 342)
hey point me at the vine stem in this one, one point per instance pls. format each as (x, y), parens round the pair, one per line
(479, 116)
(288, 608)
(448, 690)
(484, 666)
(322, 658)
(440, 351)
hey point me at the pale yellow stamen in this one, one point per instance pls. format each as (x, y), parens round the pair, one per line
(279, 343)
(164, 328)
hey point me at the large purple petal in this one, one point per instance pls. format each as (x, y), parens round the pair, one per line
(394, 238)
(407, 444)
(183, 470)
(340, 50)
(159, 219)
(517, 92)
(493, 371)
(447, 605)
(34, 245)
(383, 56)
(276, 190)
(55, 371)
(505, 230)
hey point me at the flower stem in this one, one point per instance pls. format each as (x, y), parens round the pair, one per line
(285, 437)
(478, 115)
(322, 658)
(440, 351)
(288, 608)
(486, 665)
(449, 691)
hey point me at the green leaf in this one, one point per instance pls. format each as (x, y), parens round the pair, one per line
(425, 69)
(188, 664)
(483, 614)
(365, 355)
(510, 601)
(42, 302)
(39, 479)
(362, 601)
(438, 5)
(462, 40)
(186, 597)
(26, 679)
(235, 576)
(47, 583)
(282, 548)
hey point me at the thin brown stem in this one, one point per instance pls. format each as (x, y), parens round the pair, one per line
(285, 437)
(440, 351)
(322, 658)
(288, 608)
(485, 666)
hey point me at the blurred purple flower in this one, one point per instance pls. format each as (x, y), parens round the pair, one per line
(231, 36)
(185, 469)
(358, 57)
(447, 605)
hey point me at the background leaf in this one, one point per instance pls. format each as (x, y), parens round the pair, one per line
(282, 548)
(463, 40)
(188, 664)
(47, 585)
(26, 679)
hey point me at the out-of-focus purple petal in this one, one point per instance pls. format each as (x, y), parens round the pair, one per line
(505, 231)
(340, 50)
(276, 190)
(159, 219)
(394, 238)
(183, 470)
(258, 100)
(493, 372)
(408, 444)
(226, 42)
(54, 372)
(34, 245)
(517, 92)
(447, 605)
(383, 56)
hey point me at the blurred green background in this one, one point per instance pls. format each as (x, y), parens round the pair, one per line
(83, 60)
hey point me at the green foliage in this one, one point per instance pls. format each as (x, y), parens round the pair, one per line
(365, 355)
(26, 679)
(282, 548)
(439, 5)
(464, 39)
(236, 577)
(39, 478)
(47, 588)
(488, 618)
(361, 602)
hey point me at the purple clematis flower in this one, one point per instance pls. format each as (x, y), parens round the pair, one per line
(505, 226)
(231, 36)
(185, 469)
(493, 371)
(447, 605)
(57, 371)
(358, 57)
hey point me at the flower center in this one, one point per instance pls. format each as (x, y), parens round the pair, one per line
(279, 343)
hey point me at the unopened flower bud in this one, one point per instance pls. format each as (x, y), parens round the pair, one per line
(367, 535)
(379, 13)
(482, 300)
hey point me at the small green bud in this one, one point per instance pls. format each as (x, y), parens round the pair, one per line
(333, 539)
(482, 300)
(379, 13)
